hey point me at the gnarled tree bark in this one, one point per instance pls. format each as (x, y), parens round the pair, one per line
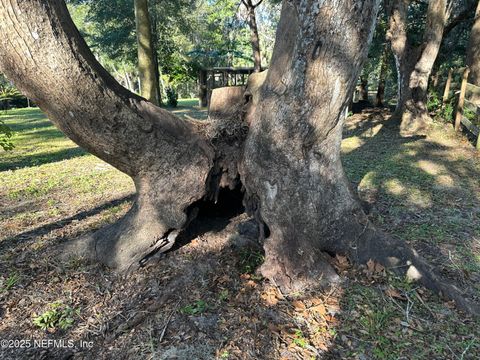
(282, 136)
(292, 169)
(414, 63)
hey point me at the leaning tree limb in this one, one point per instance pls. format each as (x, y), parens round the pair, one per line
(168, 159)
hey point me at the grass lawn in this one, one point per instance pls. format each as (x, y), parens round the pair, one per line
(423, 190)
(189, 108)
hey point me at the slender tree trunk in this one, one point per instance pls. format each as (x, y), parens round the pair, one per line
(155, 56)
(414, 64)
(129, 81)
(382, 78)
(283, 145)
(254, 38)
(146, 62)
(364, 88)
(473, 50)
(157, 78)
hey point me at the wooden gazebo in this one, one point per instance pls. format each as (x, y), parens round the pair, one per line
(212, 78)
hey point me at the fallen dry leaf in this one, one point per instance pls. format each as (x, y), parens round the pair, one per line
(319, 309)
(299, 305)
(270, 297)
(379, 268)
(371, 265)
(341, 262)
(374, 267)
(394, 293)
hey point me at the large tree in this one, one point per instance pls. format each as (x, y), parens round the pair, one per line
(283, 145)
(414, 59)
(473, 50)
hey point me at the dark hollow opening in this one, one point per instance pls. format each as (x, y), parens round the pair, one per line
(212, 216)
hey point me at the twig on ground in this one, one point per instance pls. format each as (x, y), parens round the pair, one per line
(166, 323)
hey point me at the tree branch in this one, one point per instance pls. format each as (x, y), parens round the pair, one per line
(257, 4)
(463, 16)
(77, 93)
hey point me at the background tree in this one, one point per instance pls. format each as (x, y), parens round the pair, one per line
(455, 37)
(147, 68)
(187, 35)
(473, 50)
(382, 75)
(415, 59)
(379, 66)
(254, 38)
(109, 29)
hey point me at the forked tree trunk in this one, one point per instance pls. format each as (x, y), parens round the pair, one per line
(285, 144)
(149, 88)
(254, 38)
(414, 64)
(473, 50)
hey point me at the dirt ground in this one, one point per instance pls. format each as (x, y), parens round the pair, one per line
(203, 300)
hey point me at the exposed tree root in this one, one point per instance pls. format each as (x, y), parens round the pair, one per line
(397, 256)
(126, 244)
(361, 242)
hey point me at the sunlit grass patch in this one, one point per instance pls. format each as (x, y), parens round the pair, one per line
(47, 176)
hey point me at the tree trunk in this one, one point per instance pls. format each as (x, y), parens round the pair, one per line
(284, 143)
(364, 88)
(254, 38)
(382, 78)
(414, 64)
(473, 50)
(155, 57)
(146, 63)
(292, 169)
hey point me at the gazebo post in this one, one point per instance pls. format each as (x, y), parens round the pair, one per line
(202, 88)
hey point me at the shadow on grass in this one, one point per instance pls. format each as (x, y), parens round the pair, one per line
(32, 123)
(422, 191)
(43, 134)
(11, 242)
(41, 158)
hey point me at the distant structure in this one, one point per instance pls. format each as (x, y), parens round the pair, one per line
(212, 78)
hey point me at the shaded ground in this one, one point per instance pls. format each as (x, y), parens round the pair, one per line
(204, 300)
